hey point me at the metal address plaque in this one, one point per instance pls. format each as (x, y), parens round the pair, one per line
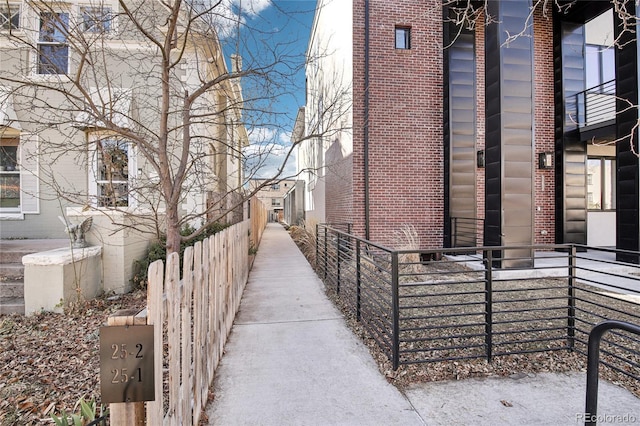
(126, 363)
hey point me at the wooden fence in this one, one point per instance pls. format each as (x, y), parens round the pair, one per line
(193, 315)
(258, 216)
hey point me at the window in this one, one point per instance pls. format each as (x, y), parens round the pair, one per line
(275, 186)
(53, 51)
(601, 183)
(111, 172)
(9, 16)
(95, 19)
(599, 66)
(275, 201)
(403, 38)
(9, 175)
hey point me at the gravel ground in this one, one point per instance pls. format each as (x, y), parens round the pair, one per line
(540, 295)
(545, 292)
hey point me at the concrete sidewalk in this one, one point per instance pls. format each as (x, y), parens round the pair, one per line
(291, 360)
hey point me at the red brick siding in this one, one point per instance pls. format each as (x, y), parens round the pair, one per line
(405, 122)
(480, 119)
(405, 126)
(544, 128)
(339, 185)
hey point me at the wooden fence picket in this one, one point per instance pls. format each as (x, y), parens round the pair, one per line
(155, 316)
(193, 316)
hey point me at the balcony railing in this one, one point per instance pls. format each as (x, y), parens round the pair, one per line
(595, 105)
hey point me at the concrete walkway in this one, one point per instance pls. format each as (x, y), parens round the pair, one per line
(291, 360)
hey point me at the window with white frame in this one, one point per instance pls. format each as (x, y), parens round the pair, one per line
(53, 49)
(9, 175)
(113, 167)
(9, 15)
(95, 19)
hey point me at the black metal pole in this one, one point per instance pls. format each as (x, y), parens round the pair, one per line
(571, 309)
(367, 235)
(338, 264)
(593, 362)
(488, 300)
(396, 310)
(325, 253)
(358, 277)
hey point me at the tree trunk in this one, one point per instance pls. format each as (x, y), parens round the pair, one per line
(173, 230)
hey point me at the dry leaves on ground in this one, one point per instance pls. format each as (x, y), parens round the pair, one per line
(49, 361)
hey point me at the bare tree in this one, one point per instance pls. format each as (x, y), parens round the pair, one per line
(134, 108)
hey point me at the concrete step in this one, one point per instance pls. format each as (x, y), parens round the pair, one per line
(14, 305)
(11, 271)
(11, 289)
(13, 256)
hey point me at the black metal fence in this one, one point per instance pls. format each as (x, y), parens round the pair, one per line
(466, 232)
(452, 304)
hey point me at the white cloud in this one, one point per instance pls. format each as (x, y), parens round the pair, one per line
(226, 14)
(263, 160)
(261, 135)
(252, 7)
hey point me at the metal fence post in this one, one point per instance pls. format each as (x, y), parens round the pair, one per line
(571, 308)
(395, 294)
(317, 245)
(454, 231)
(488, 300)
(325, 252)
(338, 249)
(358, 300)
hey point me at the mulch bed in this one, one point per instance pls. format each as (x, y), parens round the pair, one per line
(49, 361)
(540, 294)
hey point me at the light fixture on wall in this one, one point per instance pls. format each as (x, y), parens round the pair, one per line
(545, 160)
(480, 158)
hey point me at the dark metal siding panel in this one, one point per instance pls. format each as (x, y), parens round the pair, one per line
(509, 129)
(493, 148)
(571, 152)
(447, 238)
(627, 197)
(462, 126)
(558, 84)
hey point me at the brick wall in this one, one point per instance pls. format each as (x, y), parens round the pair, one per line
(405, 116)
(480, 119)
(405, 130)
(544, 130)
(339, 175)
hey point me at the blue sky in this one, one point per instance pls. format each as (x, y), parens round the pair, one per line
(271, 31)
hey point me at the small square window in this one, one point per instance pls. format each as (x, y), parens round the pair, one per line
(96, 19)
(9, 16)
(403, 37)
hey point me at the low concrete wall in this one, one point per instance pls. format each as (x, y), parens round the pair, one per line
(55, 277)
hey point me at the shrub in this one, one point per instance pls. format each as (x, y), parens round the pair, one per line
(305, 237)
(158, 251)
